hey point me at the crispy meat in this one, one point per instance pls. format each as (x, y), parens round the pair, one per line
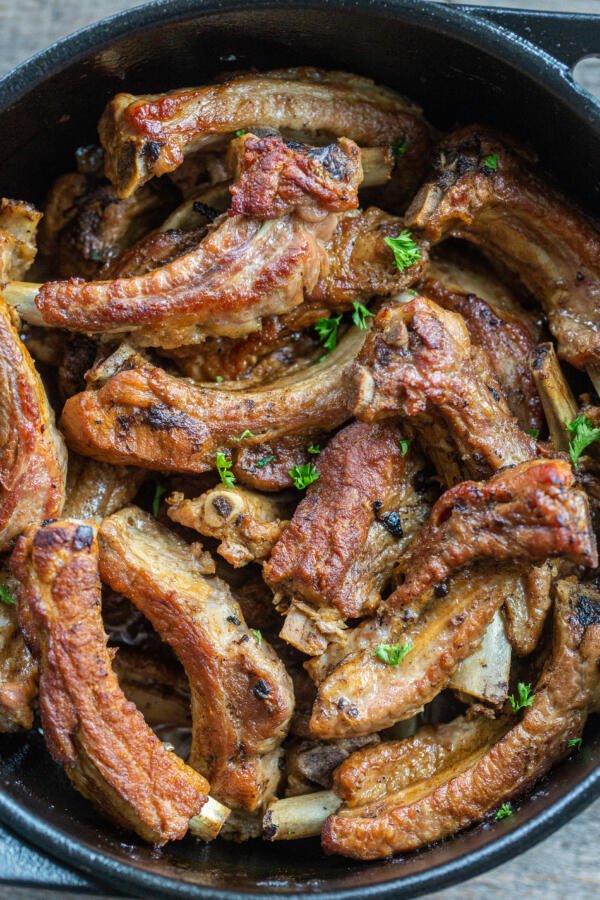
(528, 605)
(246, 267)
(441, 781)
(32, 453)
(146, 136)
(18, 226)
(353, 525)
(522, 224)
(266, 466)
(310, 765)
(242, 697)
(95, 490)
(18, 669)
(418, 363)
(157, 249)
(142, 416)
(109, 753)
(507, 343)
(529, 512)
(247, 523)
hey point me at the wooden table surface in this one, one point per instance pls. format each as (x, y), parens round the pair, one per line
(566, 864)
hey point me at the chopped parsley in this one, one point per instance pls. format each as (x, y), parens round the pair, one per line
(406, 252)
(246, 433)
(265, 461)
(575, 743)
(360, 314)
(525, 697)
(584, 434)
(224, 469)
(491, 162)
(304, 475)
(257, 635)
(534, 433)
(504, 812)
(327, 329)
(393, 654)
(6, 595)
(314, 449)
(400, 147)
(219, 379)
(160, 490)
(241, 132)
(404, 445)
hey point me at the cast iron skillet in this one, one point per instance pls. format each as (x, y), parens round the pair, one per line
(462, 65)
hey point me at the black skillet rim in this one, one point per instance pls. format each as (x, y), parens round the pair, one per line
(555, 77)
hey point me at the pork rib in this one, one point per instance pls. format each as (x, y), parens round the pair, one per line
(242, 697)
(488, 194)
(109, 753)
(489, 763)
(149, 135)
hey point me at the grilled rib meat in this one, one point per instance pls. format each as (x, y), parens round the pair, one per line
(355, 522)
(246, 267)
(32, 453)
(524, 225)
(95, 490)
(18, 669)
(529, 512)
(495, 763)
(146, 136)
(266, 466)
(418, 363)
(507, 343)
(247, 523)
(18, 226)
(242, 698)
(141, 416)
(109, 753)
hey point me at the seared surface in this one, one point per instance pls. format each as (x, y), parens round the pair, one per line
(109, 753)
(242, 697)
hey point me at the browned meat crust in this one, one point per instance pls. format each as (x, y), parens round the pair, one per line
(310, 765)
(523, 224)
(247, 523)
(418, 363)
(18, 669)
(95, 489)
(527, 607)
(507, 343)
(141, 416)
(266, 466)
(32, 453)
(146, 136)
(463, 790)
(353, 525)
(242, 697)
(275, 177)
(243, 269)
(109, 753)
(18, 226)
(528, 512)
(154, 251)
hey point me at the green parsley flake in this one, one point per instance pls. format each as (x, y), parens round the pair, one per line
(360, 314)
(400, 147)
(224, 469)
(504, 812)
(534, 433)
(241, 132)
(6, 595)
(265, 461)
(393, 654)
(575, 743)
(304, 475)
(257, 635)
(491, 162)
(327, 329)
(406, 252)
(160, 490)
(404, 445)
(584, 434)
(314, 449)
(246, 433)
(525, 697)
(219, 379)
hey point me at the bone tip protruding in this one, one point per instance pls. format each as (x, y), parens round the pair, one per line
(207, 824)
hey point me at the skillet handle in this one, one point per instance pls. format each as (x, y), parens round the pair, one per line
(568, 37)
